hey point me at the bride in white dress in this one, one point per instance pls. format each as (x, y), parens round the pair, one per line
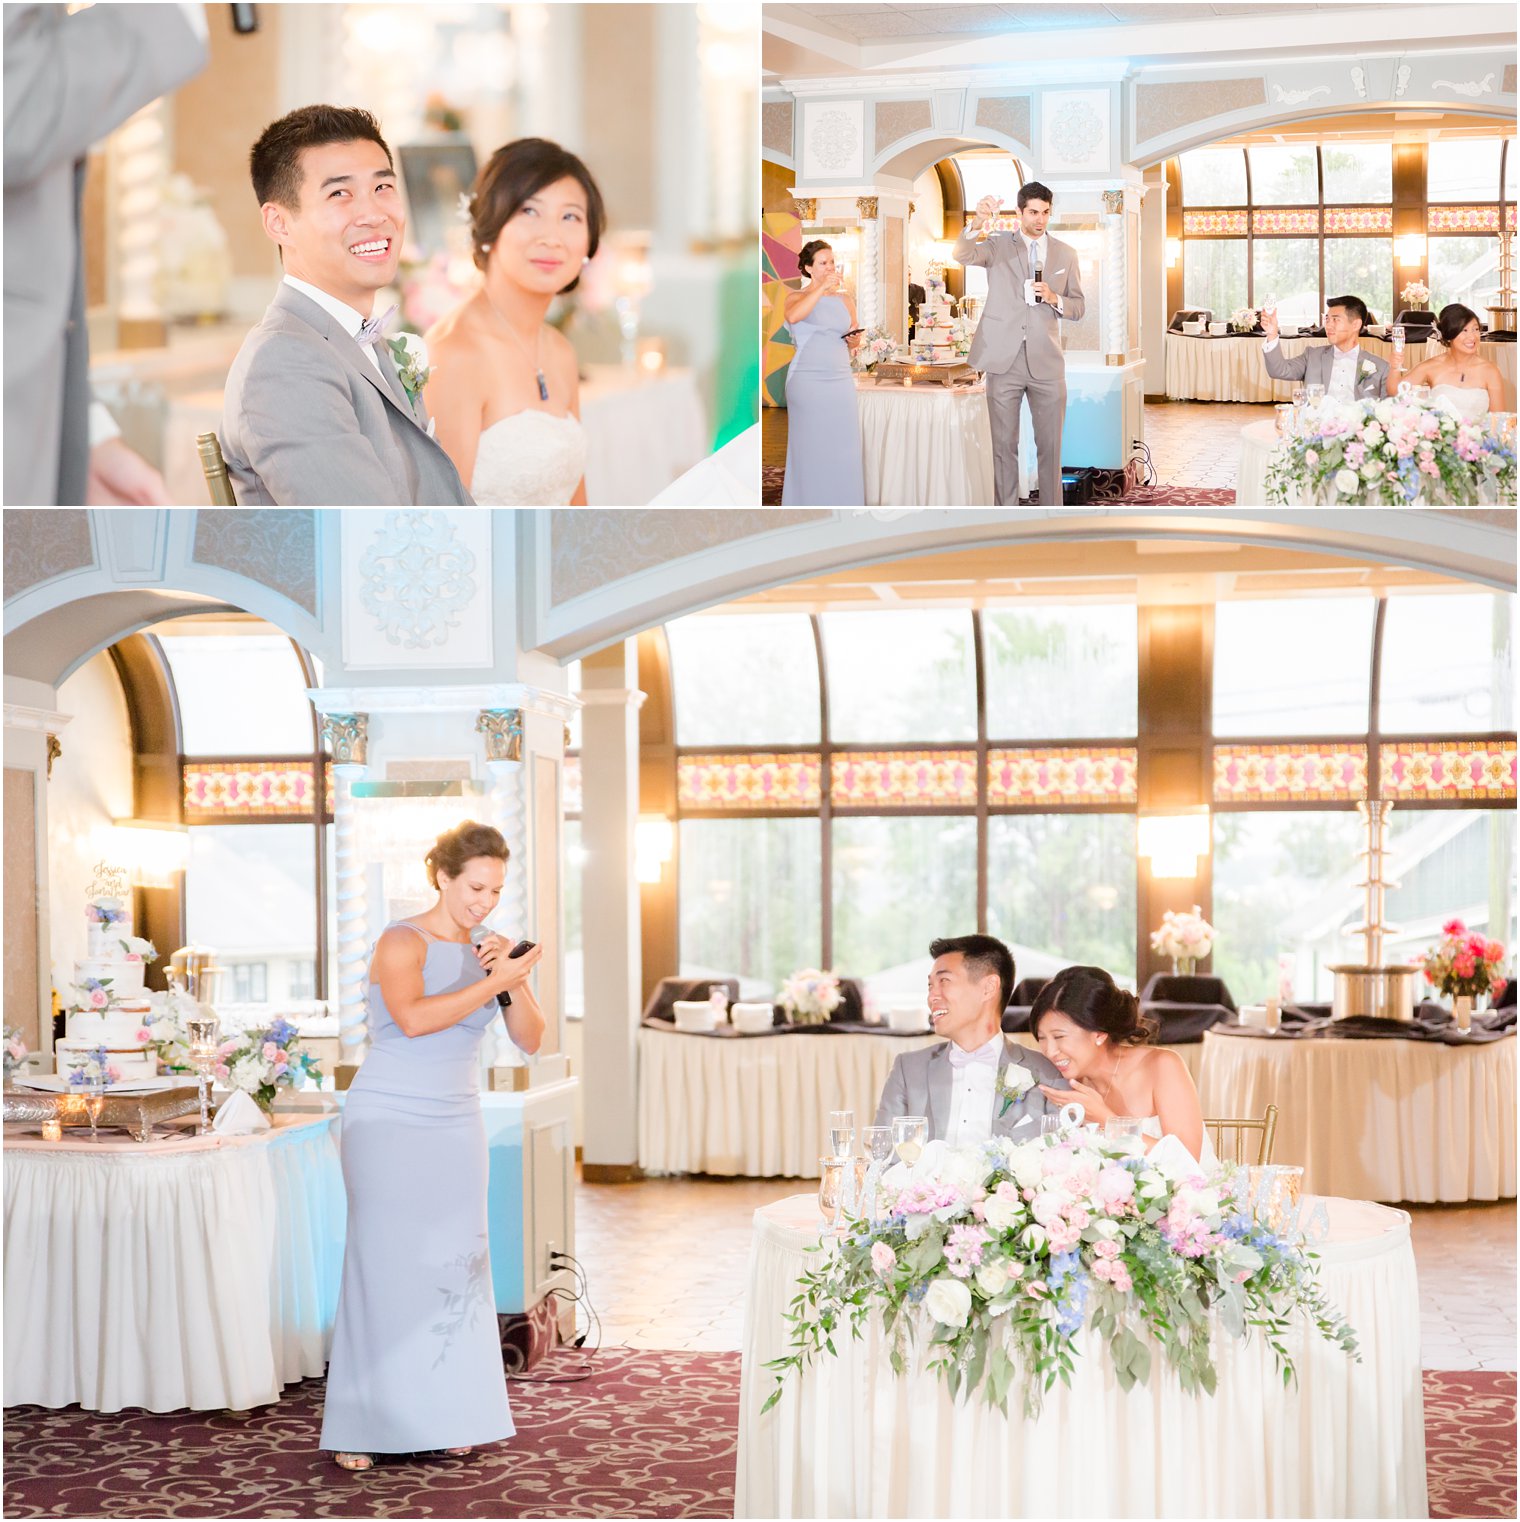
(505, 390)
(1459, 380)
(1092, 1031)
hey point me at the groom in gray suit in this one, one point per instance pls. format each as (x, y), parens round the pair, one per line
(316, 413)
(1341, 366)
(1032, 284)
(963, 1085)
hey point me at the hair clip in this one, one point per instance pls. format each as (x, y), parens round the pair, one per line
(463, 211)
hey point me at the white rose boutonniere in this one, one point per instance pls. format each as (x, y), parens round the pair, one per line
(410, 354)
(1014, 1082)
(1368, 368)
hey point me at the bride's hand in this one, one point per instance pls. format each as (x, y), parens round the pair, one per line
(1093, 1105)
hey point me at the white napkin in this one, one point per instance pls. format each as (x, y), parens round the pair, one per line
(239, 1116)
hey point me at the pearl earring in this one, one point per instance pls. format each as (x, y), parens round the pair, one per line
(1101, 1040)
(485, 248)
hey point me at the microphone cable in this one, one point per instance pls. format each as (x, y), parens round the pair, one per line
(579, 1295)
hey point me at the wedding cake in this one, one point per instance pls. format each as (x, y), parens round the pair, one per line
(107, 1004)
(936, 328)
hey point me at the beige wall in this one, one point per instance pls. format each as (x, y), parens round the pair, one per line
(619, 74)
(21, 1002)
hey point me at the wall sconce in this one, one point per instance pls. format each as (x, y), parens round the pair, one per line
(1411, 248)
(654, 843)
(1173, 252)
(1174, 840)
(153, 849)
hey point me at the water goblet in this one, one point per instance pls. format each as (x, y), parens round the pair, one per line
(841, 1133)
(1123, 1129)
(1314, 394)
(201, 1031)
(1299, 394)
(910, 1133)
(1050, 1125)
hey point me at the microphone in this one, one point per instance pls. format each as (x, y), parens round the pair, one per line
(1039, 275)
(245, 19)
(478, 934)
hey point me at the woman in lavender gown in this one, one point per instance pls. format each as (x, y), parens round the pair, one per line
(823, 453)
(416, 1360)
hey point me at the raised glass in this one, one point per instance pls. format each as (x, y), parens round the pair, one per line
(1061, 672)
(1448, 664)
(744, 679)
(900, 676)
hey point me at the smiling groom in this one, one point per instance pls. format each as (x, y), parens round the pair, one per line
(317, 412)
(978, 1083)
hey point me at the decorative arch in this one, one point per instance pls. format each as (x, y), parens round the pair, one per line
(910, 156)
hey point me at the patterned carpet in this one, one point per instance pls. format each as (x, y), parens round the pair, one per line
(648, 1435)
(771, 477)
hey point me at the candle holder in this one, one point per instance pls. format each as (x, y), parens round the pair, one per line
(202, 1033)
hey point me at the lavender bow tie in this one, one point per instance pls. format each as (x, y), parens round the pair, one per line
(371, 328)
(979, 1058)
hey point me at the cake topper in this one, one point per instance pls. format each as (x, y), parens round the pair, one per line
(108, 881)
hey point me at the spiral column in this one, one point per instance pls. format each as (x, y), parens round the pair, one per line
(348, 734)
(502, 728)
(868, 286)
(1115, 280)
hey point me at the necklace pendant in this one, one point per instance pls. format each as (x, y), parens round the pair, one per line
(543, 388)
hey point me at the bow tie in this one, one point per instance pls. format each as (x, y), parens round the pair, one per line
(981, 1057)
(372, 327)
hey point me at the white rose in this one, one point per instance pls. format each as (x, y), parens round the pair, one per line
(1103, 1227)
(1000, 1214)
(1150, 1183)
(1384, 410)
(1026, 1166)
(992, 1279)
(248, 1073)
(1346, 482)
(948, 1301)
(416, 350)
(1034, 1237)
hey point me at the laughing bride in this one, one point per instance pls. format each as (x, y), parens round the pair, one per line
(504, 390)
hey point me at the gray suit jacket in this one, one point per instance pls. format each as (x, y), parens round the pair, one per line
(920, 1084)
(307, 422)
(1312, 366)
(1007, 318)
(68, 81)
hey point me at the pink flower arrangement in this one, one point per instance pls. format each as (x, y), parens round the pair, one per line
(1464, 962)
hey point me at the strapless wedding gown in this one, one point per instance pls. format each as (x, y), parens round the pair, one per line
(1469, 403)
(1208, 1158)
(529, 459)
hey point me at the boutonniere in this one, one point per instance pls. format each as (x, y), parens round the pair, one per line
(1014, 1082)
(1368, 368)
(410, 354)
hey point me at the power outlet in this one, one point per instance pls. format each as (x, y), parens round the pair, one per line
(550, 1248)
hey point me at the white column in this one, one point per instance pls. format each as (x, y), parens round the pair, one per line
(868, 286)
(1115, 279)
(352, 913)
(610, 910)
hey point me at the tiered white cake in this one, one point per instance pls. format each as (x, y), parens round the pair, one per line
(109, 1005)
(936, 327)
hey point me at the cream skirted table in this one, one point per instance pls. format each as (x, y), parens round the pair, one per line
(755, 1106)
(926, 445)
(1378, 1118)
(196, 1274)
(643, 432)
(1233, 370)
(851, 1439)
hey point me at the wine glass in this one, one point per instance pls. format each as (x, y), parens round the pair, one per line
(1314, 394)
(202, 1033)
(878, 1143)
(1299, 394)
(95, 1102)
(841, 1133)
(1050, 1125)
(909, 1135)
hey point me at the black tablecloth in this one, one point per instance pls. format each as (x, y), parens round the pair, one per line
(827, 1028)
(671, 991)
(1185, 988)
(1432, 1022)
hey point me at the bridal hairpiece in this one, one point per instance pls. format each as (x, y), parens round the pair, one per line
(463, 211)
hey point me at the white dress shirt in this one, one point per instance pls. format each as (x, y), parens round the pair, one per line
(350, 320)
(1037, 251)
(1343, 372)
(973, 1089)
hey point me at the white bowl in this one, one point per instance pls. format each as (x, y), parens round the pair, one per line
(752, 1019)
(908, 1017)
(693, 1015)
(1217, 328)
(1192, 328)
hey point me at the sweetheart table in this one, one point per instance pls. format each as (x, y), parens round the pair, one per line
(190, 1274)
(852, 1439)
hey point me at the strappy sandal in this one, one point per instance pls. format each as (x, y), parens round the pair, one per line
(457, 1453)
(355, 1463)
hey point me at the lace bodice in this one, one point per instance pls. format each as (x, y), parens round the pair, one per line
(529, 459)
(1468, 402)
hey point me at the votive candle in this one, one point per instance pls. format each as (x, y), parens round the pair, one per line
(52, 1129)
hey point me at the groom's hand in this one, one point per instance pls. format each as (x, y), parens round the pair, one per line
(987, 208)
(1269, 323)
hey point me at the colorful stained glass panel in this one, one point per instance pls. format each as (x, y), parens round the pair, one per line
(1289, 773)
(1358, 219)
(1285, 219)
(903, 779)
(1039, 777)
(1416, 769)
(1463, 219)
(1214, 224)
(749, 782)
(220, 790)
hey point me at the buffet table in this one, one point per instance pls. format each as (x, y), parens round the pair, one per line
(851, 1439)
(755, 1106)
(1231, 368)
(194, 1273)
(1382, 1119)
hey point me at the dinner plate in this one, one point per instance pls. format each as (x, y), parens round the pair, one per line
(58, 1083)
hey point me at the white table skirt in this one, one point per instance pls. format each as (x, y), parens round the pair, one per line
(198, 1275)
(755, 1106)
(927, 446)
(1378, 1119)
(1233, 370)
(642, 432)
(851, 1439)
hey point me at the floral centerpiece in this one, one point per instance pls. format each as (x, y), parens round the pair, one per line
(1415, 295)
(1464, 963)
(1390, 451)
(264, 1060)
(1243, 320)
(16, 1054)
(1185, 938)
(809, 997)
(1005, 1251)
(876, 344)
(94, 1070)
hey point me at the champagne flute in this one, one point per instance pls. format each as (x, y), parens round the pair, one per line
(909, 1135)
(95, 1102)
(878, 1143)
(202, 1032)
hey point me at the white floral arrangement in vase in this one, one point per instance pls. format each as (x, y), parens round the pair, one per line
(1243, 319)
(809, 997)
(1186, 938)
(16, 1054)
(264, 1060)
(1415, 295)
(875, 345)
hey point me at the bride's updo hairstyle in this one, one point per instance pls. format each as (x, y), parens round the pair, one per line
(462, 844)
(1452, 320)
(515, 173)
(1089, 997)
(809, 252)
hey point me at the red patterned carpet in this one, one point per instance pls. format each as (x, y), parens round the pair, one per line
(648, 1435)
(1138, 496)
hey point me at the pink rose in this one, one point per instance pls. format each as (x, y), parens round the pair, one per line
(223, 1072)
(1107, 1249)
(1493, 952)
(144, 1035)
(270, 1051)
(1036, 1288)
(99, 998)
(1311, 457)
(1464, 966)
(883, 1259)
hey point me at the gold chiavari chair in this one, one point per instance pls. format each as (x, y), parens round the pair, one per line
(1266, 1128)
